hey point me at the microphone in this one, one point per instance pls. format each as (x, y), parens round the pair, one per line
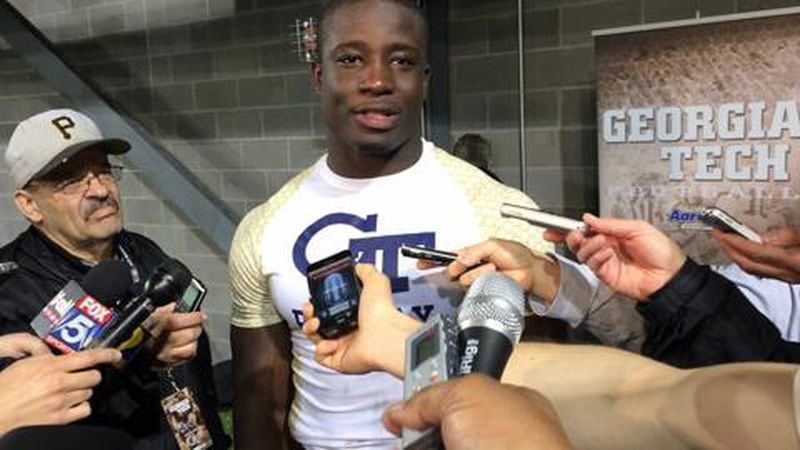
(165, 285)
(86, 308)
(491, 321)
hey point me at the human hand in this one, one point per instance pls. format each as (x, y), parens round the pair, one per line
(778, 257)
(50, 390)
(631, 256)
(379, 341)
(174, 334)
(20, 345)
(535, 273)
(477, 412)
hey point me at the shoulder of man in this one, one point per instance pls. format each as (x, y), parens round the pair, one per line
(8, 265)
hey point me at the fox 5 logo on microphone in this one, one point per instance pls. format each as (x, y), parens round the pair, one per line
(79, 325)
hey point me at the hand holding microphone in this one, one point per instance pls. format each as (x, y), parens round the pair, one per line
(476, 412)
(50, 390)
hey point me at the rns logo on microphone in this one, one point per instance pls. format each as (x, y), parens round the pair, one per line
(470, 350)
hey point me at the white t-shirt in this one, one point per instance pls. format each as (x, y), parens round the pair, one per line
(440, 202)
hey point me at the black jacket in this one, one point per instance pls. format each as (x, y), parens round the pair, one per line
(33, 269)
(701, 318)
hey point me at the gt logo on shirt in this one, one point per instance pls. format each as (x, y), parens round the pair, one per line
(366, 249)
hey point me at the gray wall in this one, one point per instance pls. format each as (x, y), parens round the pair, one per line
(216, 83)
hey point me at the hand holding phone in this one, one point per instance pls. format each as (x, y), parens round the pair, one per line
(541, 218)
(723, 221)
(192, 297)
(428, 254)
(335, 291)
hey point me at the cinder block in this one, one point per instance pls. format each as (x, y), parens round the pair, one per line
(106, 19)
(468, 112)
(305, 152)
(262, 91)
(469, 37)
(279, 58)
(135, 100)
(239, 124)
(578, 22)
(541, 28)
(82, 4)
(169, 40)
(579, 147)
(211, 33)
(265, 154)
(146, 211)
(579, 107)
(290, 121)
(196, 126)
(257, 27)
(541, 109)
(560, 67)
(753, 5)
(72, 25)
(300, 90)
(173, 98)
(542, 148)
(237, 62)
(244, 184)
(216, 94)
(493, 73)
(192, 66)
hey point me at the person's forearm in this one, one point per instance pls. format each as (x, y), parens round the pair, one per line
(390, 355)
(546, 278)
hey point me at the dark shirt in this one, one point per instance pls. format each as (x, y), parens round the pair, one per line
(129, 399)
(700, 318)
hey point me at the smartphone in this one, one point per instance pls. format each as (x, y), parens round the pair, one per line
(192, 297)
(335, 290)
(723, 221)
(428, 254)
(542, 219)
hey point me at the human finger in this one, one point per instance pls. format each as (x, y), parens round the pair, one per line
(88, 358)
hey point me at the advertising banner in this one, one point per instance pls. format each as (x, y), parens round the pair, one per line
(701, 113)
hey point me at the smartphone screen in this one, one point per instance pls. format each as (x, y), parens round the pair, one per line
(335, 290)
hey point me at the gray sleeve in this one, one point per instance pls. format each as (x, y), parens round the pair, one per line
(583, 300)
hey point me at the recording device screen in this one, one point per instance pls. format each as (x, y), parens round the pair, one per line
(425, 347)
(192, 297)
(335, 290)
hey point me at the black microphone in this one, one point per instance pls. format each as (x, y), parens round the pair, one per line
(491, 320)
(90, 309)
(107, 282)
(165, 285)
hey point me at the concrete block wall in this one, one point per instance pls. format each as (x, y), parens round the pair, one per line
(216, 83)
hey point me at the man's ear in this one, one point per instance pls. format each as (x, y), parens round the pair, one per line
(316, 76)
(28, 206)
(426, 79)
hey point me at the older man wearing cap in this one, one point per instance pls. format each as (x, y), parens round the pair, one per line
(67, 189)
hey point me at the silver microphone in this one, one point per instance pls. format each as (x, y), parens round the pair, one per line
(491, 321)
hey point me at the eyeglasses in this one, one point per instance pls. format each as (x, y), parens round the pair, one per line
(80, 184)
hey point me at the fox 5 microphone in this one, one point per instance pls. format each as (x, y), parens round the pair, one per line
(87, 307)
(491, 321)
(167, 282)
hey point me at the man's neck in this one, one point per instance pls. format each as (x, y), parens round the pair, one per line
(90, 251)
(358, 163)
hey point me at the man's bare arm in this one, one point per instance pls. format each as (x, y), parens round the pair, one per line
(597, 389)
(262, 386)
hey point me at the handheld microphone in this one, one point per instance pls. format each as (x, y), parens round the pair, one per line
(491, 320)
(89, 306)
(165, 285)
